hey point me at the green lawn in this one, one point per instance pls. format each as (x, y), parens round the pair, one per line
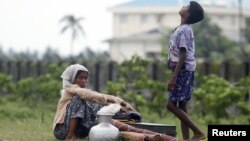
(19, 122)
(27, 129)
(39, 127)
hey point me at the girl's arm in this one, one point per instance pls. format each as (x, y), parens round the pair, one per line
(178, 68)
(90, 95)
(87, 94)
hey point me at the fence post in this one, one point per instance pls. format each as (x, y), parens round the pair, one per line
(9, 67)
(246, 73)
(110, 71)
(226, 70)
(18, 71)
(28, 69)
(247, 67)
(97, 76)
(1, 66)
(207, 67)
(154, 70)
(38, 68)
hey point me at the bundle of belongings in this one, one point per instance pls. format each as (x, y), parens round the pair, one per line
(130, 133)
(128, 116)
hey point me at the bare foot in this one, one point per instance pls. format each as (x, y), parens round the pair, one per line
(71, 137)
(198, 137)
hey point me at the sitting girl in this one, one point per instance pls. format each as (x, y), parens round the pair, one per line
(78, 106)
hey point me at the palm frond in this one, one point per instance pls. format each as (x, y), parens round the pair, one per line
(74, 34)
(74, 25)
(67, 18)
(64, 29)
(81, 29)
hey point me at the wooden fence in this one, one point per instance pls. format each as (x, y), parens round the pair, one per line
(101, 73)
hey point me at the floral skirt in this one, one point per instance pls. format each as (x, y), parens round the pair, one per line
(84, 111)
(183, 88)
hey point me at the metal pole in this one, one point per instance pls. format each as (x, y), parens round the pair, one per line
(240, 30)
(240, 20)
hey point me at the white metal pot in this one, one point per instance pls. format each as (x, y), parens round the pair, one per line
(104, 131)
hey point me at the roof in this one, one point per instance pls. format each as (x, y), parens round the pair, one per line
(146, 3)
(153, 34)
(142, 3)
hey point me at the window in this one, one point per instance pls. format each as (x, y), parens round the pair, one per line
(220, 17)
(144, 18)
(159, 18)
(123, 18)
(233, 20)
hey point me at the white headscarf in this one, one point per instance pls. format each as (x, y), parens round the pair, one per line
(69, 74)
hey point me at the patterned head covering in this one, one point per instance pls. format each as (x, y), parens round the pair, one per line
(69, 74)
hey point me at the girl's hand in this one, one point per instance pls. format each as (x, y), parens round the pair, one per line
(126, 106)
(171, 83)
(123, 103)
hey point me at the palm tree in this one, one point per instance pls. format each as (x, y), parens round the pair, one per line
(73, 24)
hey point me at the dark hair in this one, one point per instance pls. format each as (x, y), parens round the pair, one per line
(79, 72)
(196, 13)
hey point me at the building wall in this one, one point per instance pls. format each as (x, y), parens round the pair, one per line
(226, 18)
(124, 50)
(121, 51)
(131, 21)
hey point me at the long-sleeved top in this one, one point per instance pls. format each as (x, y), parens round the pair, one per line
(83, 93)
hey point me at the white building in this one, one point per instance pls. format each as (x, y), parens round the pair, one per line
(138, 25)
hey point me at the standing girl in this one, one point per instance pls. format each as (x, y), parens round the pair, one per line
(182, 62)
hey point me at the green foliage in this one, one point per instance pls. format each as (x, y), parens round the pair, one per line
(6, 84)
(164, 41)
(210, 43)
(245, 91)
(135, 85)
(37, 90)
(15, 110)
(244, 84)
(55, 71)
(28, 93)
(30, 104)
(215, 95)
(52, 56)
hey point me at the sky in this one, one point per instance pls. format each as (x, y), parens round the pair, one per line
(34, 24)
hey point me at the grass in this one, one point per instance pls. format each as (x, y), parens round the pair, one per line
(35, 130)
(24, 126)
(26, 129)
(22, 122)
(39, 128)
